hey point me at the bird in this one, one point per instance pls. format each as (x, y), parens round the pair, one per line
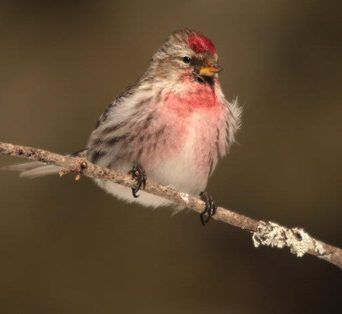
(172, 126)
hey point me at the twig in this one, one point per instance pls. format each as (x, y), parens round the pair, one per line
(263, 233)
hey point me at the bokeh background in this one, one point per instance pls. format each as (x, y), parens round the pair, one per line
(72, 248)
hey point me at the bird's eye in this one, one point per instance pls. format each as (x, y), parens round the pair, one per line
(186, 59)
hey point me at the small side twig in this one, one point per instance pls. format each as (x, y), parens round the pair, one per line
(263, 233)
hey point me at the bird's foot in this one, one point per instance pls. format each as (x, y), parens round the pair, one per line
(138, 173)
(210, 208)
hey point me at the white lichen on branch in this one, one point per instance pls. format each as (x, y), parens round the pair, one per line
(185, 197)
(269, 234)
(296, 239)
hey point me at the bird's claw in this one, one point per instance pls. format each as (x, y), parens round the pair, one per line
(210, 208)
(138, 173)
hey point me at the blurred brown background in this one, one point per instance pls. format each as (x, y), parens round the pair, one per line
(72, 248)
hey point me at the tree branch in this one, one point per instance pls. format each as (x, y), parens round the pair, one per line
(263, 233)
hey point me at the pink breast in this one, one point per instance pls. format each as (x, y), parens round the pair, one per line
(196, 97)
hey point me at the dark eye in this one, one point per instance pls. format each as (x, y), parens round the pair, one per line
(186, 59)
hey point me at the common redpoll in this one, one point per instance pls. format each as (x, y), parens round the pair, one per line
(174, 124)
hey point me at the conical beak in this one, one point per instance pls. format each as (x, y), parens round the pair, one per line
(210, 70)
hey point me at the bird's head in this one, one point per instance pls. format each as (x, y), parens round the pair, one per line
(187, 55)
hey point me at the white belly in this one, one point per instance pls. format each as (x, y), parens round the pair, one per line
(125, 193)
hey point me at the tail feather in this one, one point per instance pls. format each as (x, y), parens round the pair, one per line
(36, 169)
